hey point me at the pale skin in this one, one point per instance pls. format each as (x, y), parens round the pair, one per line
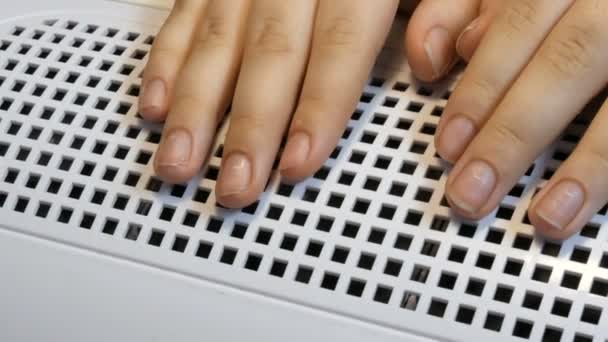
(533, 65)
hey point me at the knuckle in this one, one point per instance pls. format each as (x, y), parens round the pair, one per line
(339, 32)
(484, 88)
(247, 122)
(597, 156)
(504, 134)
(572, 53)
(520, 15)
(214, 32)
(272, 37)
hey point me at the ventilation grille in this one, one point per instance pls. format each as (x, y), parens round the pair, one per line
(369, 236)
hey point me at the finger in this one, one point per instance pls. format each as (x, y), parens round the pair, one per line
(471, 36)
(578, 189)
(348, 36)
(565, 73)
(203, 90)
(275, 57)
(519, 29)
(432, 33)
(168, 53)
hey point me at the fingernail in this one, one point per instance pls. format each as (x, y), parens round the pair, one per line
(437, 48)
(455, 137)
(175, 148)
(462, 50)
(560, 205)
(295, 152)
(235, 175)
(153, 96)
(473, 186)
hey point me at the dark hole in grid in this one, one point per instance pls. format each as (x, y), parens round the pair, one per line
(580, 254)
(180, 243)
(346, 178)
(350, 230)
(178, 190)
(304, 274)
(591, 314)
(467, 230)
(133, 232)
(430, 248)
(43, 208)
(522, 329)
(551, 249)
(65, 215)
(340, 254)
(542, 273)
(54, 186)
(204, 249)
(335, 200)
(465, 314)
(156, 238)
(410, 300)
(505, 213)
(532, 300)
(366, 261)
(274, 212)
(503, 294)
(493, 321)
(393, 267)
(278, 268)
(111, 127)
(397, 189)
(517, 190)
(376, 235)
(552, 334)
(201, 195)
(132, 179)
(289, 242)
(99, 147)
(76, 191)
(190, 219)
(590, 230)
(420, 273)
(121, 202)
(366, 97)
(418, 147)
(314, 248)
(121, 152)
(440, 223)
(383, 294)
(495, 235)
(401, 86)
(457, 254)
(571, 280)
(561, 307)
(299, 218)
(263, 236)
(109, 226)
(368, 137)
(239, 230)
(214, 225)
(387, 212)
(325, 223)
(356, 287)
(361, 206)
(322, 173)
(3, 149)
(475, 287)
(513, 267)
(167, 213)
(228, 256)
(437, 307)
(154, 184)
(21, 204)
(485, 261)
(357, 157)
(285, 189)
(522, 242)
(447, 280)
(582, 338)
(11, 176)
(310, 194)
(599, 287)
(390, 102)
(404, 124)
(423, 195)
(379, 119)
(403, 242)
(330, 281)
(371, 183)
(32, 181)
(428, 129)
(23, 153)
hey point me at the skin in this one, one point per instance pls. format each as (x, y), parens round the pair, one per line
(210, 52)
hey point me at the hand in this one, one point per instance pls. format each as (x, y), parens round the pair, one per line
(275, 58)
(538, 64)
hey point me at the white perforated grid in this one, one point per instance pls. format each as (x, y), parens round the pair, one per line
(369, 236)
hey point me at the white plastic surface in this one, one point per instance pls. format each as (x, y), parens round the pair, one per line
(367, 243)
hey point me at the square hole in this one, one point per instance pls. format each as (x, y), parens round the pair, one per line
(304, 274)
(542, 273)
(398, 189)
(457, 254)
(42, 211)
(335, 200)
(356, 287)
(430, 248)
(522, 242)
(156, 238)
(325, 223)
(330, 281)
(410, 300)
(437, 307)
(310, 194)
(580, 254)
(513, 267)
(299, 218)
(346, 178)
(121, 202)
(522, 329)
(571, 280)
(387, 212)
(503, 294)
(214, 225)
(440, 223)
(561, 307)
(350, 230)
(383, 294)
(403, 242)
(376, 235)
(201, 195)
(253, 261)
(190, 219)
(228, 256)
(552, 334)
(278, 268)
(447, 280)
(21, 205)
(591, 314)
(133, 232)
(493, 321)
(532, 300)
(289, 242)
(423, 195)
(419, 147)
(179, 244)
(551, 249)
(420, 273)
(314, 248)
(465, 315)
(274, 212)
(263, 236)
(361, 206)
(366, 261)
(167, 213)
(599, 287)
(239, 230)
(109, 226)
(485, 261)
(475, 287)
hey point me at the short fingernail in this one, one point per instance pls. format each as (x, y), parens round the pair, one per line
(235, 175)
(296, 151)
(437, 45)
(560, 205)
(455, 137)
(175, 148)
(473, 186)
(153, 96)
